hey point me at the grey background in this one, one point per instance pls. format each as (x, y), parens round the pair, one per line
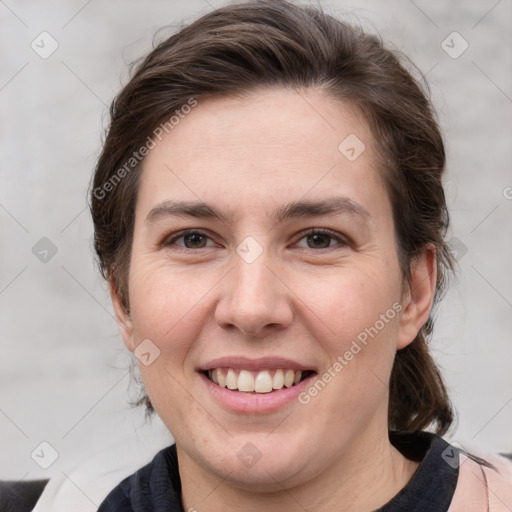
(63, 368)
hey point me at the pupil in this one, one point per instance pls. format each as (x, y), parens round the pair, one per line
(318, 240)
(195, 238)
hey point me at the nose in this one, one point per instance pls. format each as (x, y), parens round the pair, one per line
(254, 299)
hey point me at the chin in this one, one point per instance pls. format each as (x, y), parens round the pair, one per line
(266, 475)
(259, 462)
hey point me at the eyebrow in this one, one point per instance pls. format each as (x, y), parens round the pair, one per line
(297, 209)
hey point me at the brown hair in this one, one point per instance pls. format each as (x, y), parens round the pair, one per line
(260, 44)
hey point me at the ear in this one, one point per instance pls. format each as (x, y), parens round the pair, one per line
(418, 297)
(124, 321)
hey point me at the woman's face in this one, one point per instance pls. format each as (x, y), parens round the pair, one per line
(257, 294)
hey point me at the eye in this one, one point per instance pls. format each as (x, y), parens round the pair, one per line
(192, 239)
(321, 238)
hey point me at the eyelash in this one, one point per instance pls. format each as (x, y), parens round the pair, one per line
(311, 232)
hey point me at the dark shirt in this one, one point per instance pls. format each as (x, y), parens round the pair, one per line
(157, 486)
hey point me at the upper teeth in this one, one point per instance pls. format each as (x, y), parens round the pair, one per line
(260, 382)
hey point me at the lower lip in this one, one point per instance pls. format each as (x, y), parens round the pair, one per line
(252, 402)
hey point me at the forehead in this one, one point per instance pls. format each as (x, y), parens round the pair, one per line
(278, 145)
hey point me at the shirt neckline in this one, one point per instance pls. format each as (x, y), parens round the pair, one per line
(432, 486)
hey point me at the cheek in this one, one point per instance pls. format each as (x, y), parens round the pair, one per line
(354, 316)
(347, 301)
(168, 306)
(355, 319)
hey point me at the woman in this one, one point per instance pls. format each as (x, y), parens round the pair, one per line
(270, 216)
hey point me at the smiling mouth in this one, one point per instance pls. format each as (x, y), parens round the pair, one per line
(265, 381)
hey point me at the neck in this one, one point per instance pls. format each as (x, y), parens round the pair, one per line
(363, 478)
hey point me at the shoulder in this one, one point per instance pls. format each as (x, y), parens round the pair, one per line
(20, 495)
(472, 481)
(149, 484)
(484, 484)
(82, 484)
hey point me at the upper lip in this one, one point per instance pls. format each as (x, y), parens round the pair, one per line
(259, 364)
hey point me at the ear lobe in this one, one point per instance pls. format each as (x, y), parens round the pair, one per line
(418, 298)
(123, 318)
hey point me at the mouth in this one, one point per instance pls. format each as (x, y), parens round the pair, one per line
(256, 382)
(263, 385)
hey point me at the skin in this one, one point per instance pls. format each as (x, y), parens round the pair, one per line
(297, 300)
